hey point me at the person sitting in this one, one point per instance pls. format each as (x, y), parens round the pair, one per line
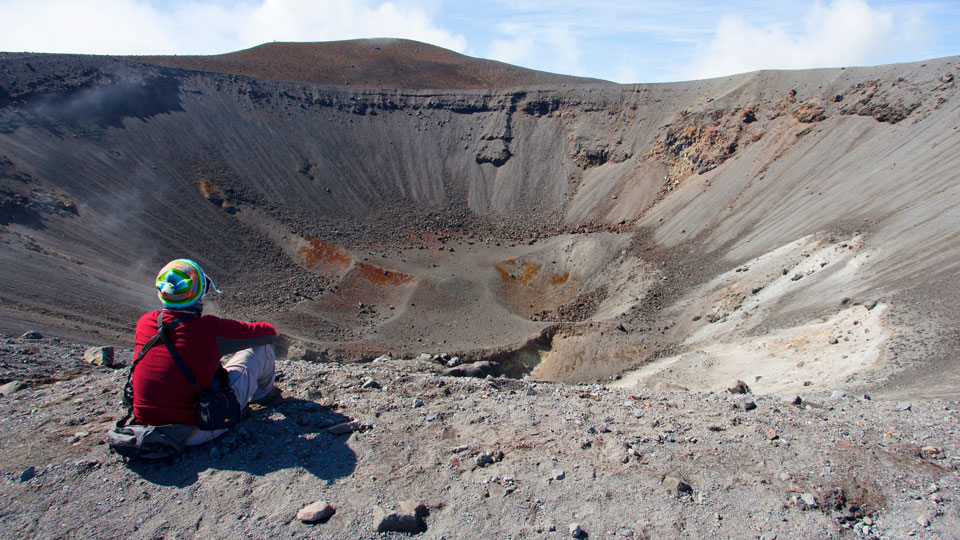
(162, 392)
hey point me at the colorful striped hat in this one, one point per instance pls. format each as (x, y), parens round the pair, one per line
(181, 284)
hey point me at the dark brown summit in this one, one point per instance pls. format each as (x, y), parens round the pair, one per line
(368, 63)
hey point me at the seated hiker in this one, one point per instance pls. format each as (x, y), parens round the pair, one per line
(163, 392)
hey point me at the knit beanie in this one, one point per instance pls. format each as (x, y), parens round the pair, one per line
(181, 284)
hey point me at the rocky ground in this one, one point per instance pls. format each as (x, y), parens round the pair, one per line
(486, 458)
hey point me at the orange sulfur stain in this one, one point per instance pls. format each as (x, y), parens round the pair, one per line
(382, 276)
(528, 274)
(320, 253)
(524, 274)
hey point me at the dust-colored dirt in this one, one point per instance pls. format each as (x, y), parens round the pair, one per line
(489, 459)
(794, 230)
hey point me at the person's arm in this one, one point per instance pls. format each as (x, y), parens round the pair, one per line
(233, 336)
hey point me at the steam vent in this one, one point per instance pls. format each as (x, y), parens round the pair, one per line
(586, 242)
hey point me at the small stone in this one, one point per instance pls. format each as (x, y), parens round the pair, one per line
(28, 473)
(425, 357)
(397, 522)
(417, 403)
(797, 401)
(557, 474)
(347, 427)
(771, 433)
(484, 459)
(747, 404)
(318, 511)
(807, 501)
(739, 388)
(904, 406)
(453, 362)
(865, 530)
(839, 394)
(676, 484)
(99, 356)
(382, 358)
(833, 340)
(923, 521)
(87, 465)
(370, 382)
(930, 452)
(32, 335)
(576, 531)
(415, 508)
(11, 387)
(768, 536)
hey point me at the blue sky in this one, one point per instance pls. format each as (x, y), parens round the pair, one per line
(620, 40)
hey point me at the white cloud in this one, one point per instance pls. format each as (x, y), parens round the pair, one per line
(94, 27)
(548, 48)
(626, 74)
(845, 32)
(207, 27)
(307, 20)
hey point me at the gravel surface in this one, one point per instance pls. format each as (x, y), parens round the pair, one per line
(487, 458)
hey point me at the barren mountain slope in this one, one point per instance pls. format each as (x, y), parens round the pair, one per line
(367, 63)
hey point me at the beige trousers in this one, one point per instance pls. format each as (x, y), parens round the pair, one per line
(251, 374)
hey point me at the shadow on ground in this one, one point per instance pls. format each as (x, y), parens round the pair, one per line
(290, 435)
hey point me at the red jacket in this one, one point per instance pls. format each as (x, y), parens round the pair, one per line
(161, 393)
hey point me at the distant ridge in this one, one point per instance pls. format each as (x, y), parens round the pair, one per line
(368, 63)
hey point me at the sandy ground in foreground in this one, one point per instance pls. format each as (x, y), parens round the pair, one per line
(585, 454)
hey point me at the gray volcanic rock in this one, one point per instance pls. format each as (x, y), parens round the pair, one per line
(476, 369)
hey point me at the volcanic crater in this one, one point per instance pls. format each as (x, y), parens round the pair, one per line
(371, 210)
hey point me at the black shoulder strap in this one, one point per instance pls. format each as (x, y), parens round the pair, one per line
(128, 388)
(176, 356)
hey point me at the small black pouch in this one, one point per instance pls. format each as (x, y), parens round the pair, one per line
(217, 408)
